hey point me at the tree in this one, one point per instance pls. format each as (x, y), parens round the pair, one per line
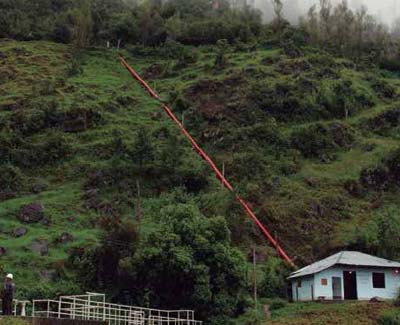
(278, 21)
(174, 27)
(143, 151)
(325, 18)
(188, 262)
(273, 284)
(99, 267)
(83, 24)
(381, 235)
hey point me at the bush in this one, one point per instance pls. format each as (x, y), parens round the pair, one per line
(390, 317)
(386, 174)
(274, 282)
(11, 178)
(397, 301)
(321, 141)
(277, 304)
(22, 152)
(386, 122)
(383, 88)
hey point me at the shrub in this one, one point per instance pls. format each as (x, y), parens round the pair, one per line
(51, 148)
(274, 282)
(390, 317)
(386, 174)
(277, 304)
(27, 122)
(386, 122)
(383, 88)
(321, 141)
(11, 178)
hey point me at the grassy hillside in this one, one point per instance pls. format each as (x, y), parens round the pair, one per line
(294, 132)
(322, 313)
(314, 313)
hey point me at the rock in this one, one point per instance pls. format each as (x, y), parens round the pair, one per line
(45, 221)
(6, 195)
(31, 213)
(3, 251)
(48, 275)
(40, 246)
(267, 311)
(354, 188)
(312, 181)
(376, 300)
(39, 186)
(65, 238)
(71, 219)
(19, 232)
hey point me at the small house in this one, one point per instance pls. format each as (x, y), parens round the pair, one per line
(347, 275)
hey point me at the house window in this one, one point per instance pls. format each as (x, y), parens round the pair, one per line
(324, 282)
(298, 283)
(378, 280)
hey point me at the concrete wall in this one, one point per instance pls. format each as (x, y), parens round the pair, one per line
(365, 288)
(306, 291)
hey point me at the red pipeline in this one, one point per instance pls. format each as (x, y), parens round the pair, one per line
(210, 162)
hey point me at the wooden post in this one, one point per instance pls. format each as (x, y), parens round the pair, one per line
(255, 277)
(223, 172)
(138, 206)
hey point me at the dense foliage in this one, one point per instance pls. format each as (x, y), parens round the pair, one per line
(188, 262)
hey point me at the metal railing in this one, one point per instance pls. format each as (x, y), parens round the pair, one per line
(92, 306)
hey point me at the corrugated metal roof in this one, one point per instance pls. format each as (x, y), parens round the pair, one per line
(344, 258)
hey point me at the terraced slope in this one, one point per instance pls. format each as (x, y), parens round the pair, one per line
(299, 135)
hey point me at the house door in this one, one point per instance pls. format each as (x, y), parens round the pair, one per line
(337, 287)
(350, 285)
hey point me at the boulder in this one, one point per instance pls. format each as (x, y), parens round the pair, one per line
(40, 246)
(19, 232)
(48, 275)
(31, 213)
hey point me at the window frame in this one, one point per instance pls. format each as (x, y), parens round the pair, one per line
(380, 282)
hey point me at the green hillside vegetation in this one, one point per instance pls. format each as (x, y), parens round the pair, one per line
(100, 191)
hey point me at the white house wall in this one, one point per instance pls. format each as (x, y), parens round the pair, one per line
(366, 291)
(326, 291)
(365, 288)
(305, 292)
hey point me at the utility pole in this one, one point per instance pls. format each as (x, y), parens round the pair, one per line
(255, 278)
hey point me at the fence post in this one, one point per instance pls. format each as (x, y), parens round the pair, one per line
(59, 308)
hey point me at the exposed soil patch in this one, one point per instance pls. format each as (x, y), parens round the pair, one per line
(213, 97)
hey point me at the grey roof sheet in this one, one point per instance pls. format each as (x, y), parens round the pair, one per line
(344, 258)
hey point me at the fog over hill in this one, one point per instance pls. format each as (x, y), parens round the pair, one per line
(385, 10)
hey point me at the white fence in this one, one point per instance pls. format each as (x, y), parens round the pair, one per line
(92, 306)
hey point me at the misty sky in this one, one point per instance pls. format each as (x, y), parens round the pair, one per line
(385, 10)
